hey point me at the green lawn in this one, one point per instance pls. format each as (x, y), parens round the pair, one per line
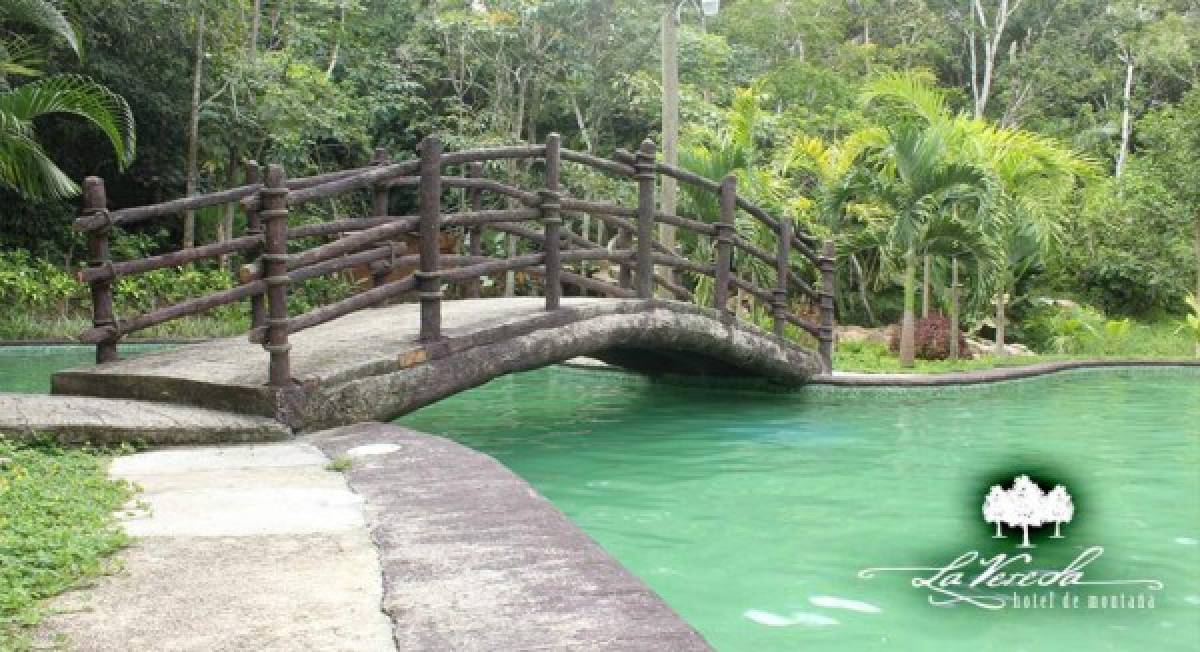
(1141, 340)
(57, 528)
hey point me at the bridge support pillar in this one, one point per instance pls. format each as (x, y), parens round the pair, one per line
(95, 202)
(825, 332)
(275, 272)
(644, 169)
(724, 261)
(429, 285)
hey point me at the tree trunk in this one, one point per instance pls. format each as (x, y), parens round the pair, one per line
(926, 285)
(255, 21)
(337, 43)
(1126, 117)
(193, 145)
(225, 231)
(993, 33)
(999, 533)
(1000, 350)
(1196, 244)
(954, 327)
(907, 325)
(1025, 537)
(1057, 533)
(856, 268)
(583, 130)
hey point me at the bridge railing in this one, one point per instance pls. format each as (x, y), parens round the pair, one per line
(560, 255)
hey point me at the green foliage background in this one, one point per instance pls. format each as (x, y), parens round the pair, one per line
(327, 81)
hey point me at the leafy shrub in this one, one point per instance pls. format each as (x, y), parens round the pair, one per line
(29, 284)
(1062, 329)
(1083, 330)
(1128, 287)
(1191, 323)
(931, 338)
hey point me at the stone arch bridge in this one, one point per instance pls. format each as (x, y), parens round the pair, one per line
(420, 329)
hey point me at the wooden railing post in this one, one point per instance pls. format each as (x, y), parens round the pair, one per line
(95, 202)
(274, 265)
(381, 196)
(552, 223)
(644, 167)
(782, 267)
(825, 331)
(429, 286)
(475, 233)
(724, 228)
(258, 302)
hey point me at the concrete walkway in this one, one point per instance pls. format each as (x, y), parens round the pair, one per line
(85, 419)
(421, 544)
(244, 548)
(475, 559)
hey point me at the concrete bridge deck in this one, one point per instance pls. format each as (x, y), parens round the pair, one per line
(369, 365)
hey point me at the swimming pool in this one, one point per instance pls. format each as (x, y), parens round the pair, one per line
(754, 513)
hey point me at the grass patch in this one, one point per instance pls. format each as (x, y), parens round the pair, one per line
(872, 357)
(56, 528)
(1139, 341)
(339, 464)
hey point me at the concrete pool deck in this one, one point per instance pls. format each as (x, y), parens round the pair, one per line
(420, 544)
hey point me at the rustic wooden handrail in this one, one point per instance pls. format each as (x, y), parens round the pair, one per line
(370, 242)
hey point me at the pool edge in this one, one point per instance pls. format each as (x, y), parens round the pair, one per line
(985, 376)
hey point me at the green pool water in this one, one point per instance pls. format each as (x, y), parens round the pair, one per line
(28, 368)
(752, 513)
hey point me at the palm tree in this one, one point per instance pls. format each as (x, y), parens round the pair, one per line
(24, 165)
(832, 175)
(714, 156)
(917, 179)
(1035, 177)
(1036, 180)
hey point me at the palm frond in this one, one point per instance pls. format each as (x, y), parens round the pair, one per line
(26, 168)
(75, 95)
(914, 92)
(42, 15)
(20, 56)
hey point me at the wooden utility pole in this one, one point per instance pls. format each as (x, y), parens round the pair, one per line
(670, 122)
(193, 145)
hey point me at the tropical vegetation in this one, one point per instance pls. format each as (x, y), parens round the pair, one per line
(1043, 152)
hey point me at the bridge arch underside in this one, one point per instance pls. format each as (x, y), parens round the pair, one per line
(652, 337)
(371, 366)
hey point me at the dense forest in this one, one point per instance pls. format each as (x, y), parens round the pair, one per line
(1067, 132)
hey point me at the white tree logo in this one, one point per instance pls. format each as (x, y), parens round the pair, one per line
(1025, 505)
